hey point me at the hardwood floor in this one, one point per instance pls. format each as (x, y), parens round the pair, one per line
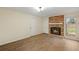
(42, 42)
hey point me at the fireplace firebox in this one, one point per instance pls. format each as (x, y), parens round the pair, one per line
(55, 30)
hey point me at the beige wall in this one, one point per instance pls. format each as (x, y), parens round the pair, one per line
(16, 25)
(45, 25)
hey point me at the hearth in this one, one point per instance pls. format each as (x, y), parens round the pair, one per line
(55, 30)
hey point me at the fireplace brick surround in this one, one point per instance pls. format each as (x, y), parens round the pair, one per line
(56, 21)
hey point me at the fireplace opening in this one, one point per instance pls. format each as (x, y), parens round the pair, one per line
(55, 30)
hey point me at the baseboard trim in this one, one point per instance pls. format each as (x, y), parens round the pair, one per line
(17, 39)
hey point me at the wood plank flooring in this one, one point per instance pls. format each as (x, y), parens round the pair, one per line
(42, 42)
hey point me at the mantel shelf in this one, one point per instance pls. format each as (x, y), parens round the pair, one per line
(55, 23)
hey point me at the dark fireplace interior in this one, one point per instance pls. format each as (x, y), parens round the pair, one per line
(56, 30)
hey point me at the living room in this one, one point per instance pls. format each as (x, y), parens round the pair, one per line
(39, 28)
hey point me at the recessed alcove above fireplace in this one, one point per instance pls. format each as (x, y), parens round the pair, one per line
(56, 25)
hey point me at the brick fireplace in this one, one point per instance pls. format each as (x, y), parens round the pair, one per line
(56, 25)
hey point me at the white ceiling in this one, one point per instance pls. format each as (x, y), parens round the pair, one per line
(48, 11)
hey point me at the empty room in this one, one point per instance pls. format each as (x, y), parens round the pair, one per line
(39, 28)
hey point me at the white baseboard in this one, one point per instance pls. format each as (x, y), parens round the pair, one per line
(16, 39)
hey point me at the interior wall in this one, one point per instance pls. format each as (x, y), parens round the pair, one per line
(45, 25)
(16, 25)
